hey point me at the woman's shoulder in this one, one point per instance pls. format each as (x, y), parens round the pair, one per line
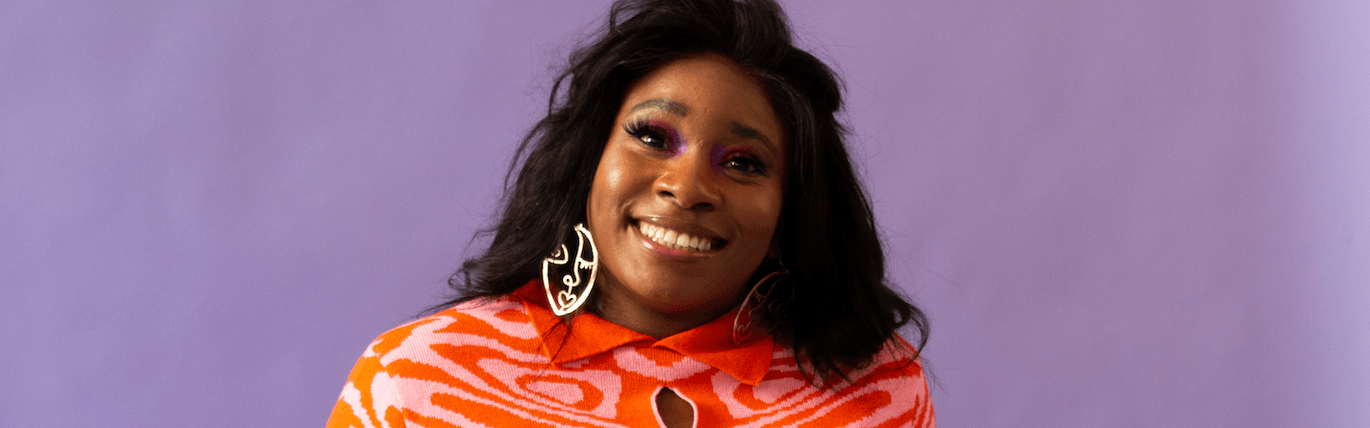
(900, 355)
(898, 362)
(395, 373)
(499, 322)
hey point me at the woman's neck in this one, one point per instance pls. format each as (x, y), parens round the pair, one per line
(657, 324)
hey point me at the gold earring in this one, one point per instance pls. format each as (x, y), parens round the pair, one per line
(571, 293)
(758, 302)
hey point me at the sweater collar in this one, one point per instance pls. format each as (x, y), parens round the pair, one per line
(590, 335)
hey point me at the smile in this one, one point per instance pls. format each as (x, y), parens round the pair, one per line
(675, 240)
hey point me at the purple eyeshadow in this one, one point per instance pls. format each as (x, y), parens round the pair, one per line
(674, 142)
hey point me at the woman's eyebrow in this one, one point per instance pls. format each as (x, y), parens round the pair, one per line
(662, 104)
(745, 131)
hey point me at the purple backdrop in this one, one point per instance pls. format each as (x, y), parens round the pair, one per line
(1123, 214)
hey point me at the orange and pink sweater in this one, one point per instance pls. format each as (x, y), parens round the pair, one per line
(509, 362)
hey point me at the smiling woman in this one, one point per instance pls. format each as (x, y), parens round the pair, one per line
(683, 204)
(707, 256)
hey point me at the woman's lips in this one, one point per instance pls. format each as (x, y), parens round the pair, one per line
(677, 240)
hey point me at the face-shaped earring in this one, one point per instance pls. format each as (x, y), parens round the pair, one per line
(573, 287)
(762, 305)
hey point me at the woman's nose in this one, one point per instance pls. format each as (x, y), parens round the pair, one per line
(689, 182)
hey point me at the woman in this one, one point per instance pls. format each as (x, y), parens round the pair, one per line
(684, 244)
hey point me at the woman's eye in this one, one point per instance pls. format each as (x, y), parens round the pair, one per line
(649, 135)
(653, 140)
(746, 165)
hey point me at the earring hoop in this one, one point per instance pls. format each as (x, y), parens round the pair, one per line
(566, 298)
(757, 303)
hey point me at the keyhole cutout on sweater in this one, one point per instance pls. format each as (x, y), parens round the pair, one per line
(675, 411)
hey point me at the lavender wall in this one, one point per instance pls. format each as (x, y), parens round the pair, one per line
(1122, 214)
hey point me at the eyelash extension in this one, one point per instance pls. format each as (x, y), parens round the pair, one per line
(643, 128)
(636, 127)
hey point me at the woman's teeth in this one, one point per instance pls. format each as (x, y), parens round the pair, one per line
(673, 239)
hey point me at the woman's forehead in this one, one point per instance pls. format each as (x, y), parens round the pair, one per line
(707, 87)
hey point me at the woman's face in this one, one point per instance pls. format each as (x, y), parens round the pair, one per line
(687, 194)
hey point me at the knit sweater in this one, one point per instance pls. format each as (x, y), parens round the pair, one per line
(510, 362)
